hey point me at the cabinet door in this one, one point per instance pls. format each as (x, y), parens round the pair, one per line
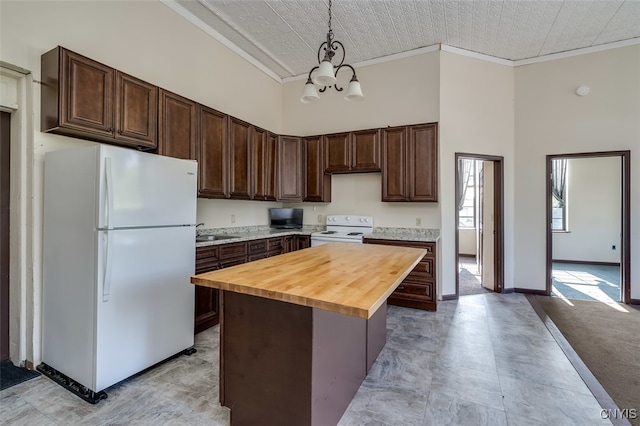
(270, 167)
(290, 178)
(317, 183)
(239, 159)
(287, 244)
(365, 151)
(423, 163)
(302, 242)
(394, 154)
(262, 165)
(212, 153)
(177, 131)
(206, 299)
(136, 111)
(337, 153)
(86, 95)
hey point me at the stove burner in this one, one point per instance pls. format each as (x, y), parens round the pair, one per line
(329, 232)
(354, 233)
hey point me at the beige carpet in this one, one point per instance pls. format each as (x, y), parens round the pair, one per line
(608, 342)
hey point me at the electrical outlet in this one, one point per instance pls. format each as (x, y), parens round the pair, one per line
(319, 218)
(418, 221)
(233, 218)
(613, 247)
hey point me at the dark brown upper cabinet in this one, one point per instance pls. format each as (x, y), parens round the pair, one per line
(86, 99)
(263, 164)
(353, 152)
(337, 153)
(178, 126)
(239, 159)
(410, 159)
(423, 163)
(365, 151)
(290, 161)
(317, 182)
(213, 153)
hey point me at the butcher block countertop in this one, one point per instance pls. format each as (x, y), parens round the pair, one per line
(351, 279)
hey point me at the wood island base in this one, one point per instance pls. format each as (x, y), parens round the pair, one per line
(287, 364)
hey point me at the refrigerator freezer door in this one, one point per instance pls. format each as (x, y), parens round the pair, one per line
(138, 189)
(148, 313)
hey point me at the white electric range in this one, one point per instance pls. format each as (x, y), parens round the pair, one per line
(343, 229)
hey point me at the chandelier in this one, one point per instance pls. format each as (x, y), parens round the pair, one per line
(327, 72)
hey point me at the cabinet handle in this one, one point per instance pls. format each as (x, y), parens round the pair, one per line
(110, 130)
(119, 132)
(401, 287)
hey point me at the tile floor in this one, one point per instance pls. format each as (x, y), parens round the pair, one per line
(469, 279)
(586, 282)
(482, 360)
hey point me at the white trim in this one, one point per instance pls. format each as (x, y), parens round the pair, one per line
(476, 55)
(171, 4)
(383, 59)
(576, 52)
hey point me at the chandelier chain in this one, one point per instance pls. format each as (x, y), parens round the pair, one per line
(330, 31)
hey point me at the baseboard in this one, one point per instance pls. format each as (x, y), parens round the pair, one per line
(586, 262)
(530, 291)
(634, 301)
(508, 290)
(450, 297)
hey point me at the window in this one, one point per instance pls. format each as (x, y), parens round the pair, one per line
(467, 211)
(558, 222)
(559, 194)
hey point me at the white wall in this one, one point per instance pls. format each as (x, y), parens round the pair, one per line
(593, 211)
(145, 39)
(467, 241)
(551, 119)
(476, 117)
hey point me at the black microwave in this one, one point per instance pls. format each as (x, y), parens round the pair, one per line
(281, 218)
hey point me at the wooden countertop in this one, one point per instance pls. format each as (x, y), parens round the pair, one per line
(351, 279)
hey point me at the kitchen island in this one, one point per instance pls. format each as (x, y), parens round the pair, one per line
(300, 331)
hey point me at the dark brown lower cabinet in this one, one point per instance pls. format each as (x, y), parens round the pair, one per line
(418, 290)
(210, 258)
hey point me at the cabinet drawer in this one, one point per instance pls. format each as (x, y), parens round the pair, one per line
(258, 256)
(228, 251)
(257, 246)
(414, 291)
(424, 268)
(428, 246)
(275, 244)
(233, 261)
(207, 259)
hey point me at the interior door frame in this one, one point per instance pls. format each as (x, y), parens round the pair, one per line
(625, 210)
(5, 187)
(498, 219)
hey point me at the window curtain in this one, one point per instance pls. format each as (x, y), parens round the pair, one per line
(559, 180)
(464, 173)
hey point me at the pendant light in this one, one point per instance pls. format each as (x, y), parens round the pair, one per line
(326, 72)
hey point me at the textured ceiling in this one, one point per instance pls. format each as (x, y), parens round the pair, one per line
(284, 35)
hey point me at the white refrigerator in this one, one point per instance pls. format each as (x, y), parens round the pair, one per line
(118, 254)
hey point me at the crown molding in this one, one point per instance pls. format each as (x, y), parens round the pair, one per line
(476, 55)
(577, 52)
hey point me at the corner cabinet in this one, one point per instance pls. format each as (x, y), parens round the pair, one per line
(86, 99)
(263, 164)
(418, 290)
(290, 161)
(410, 163)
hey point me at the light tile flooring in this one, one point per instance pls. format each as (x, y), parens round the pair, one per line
(586, 282)
(481, 360)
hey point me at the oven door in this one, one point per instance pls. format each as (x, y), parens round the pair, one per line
(320, 240)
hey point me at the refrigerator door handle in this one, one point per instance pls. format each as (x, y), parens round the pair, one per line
(106, 272)
(109, 191)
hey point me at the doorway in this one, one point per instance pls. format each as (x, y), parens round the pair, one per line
(5, 150)
(569, 220)
(479, 216)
